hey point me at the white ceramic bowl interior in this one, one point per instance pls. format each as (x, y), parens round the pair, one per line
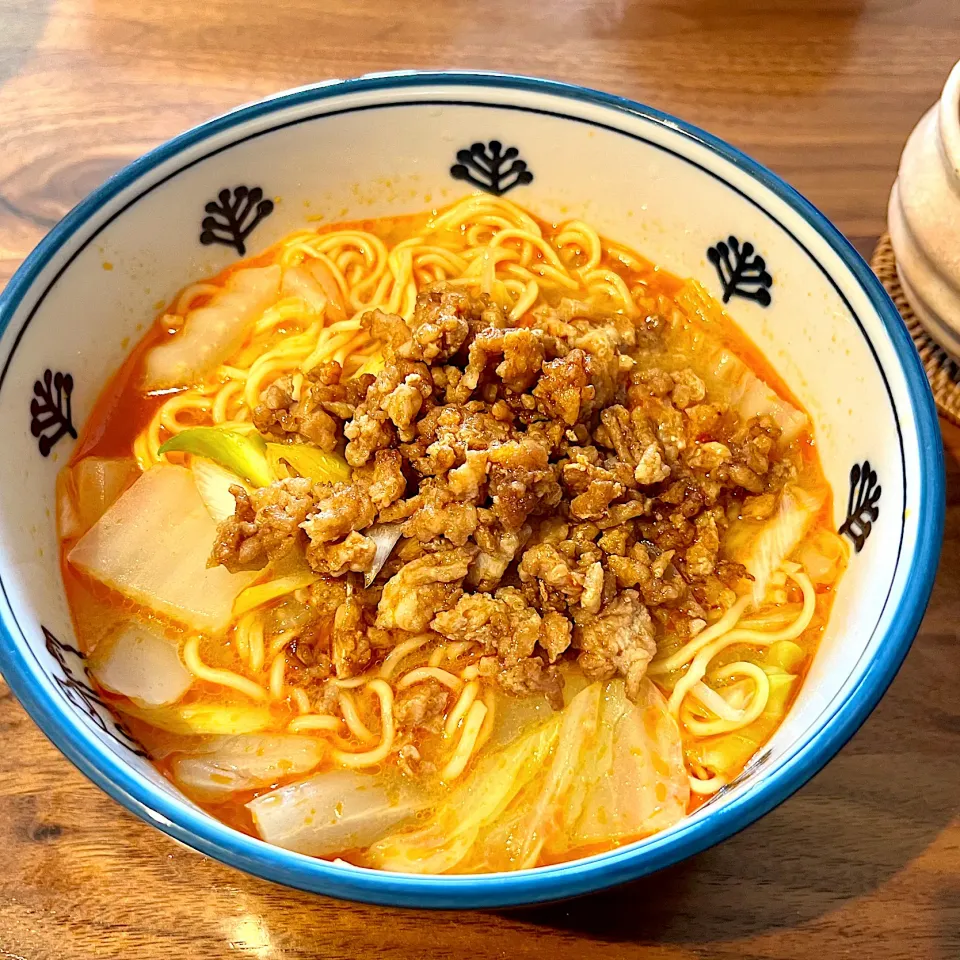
(386, 145)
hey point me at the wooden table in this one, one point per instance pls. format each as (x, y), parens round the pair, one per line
(865, 861)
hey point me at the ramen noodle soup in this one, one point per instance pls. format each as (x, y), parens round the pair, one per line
(448, 543)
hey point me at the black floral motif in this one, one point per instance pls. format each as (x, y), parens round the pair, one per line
(50, 410)
(232, 220)
(862, 509)
(78, 691)
(491, 168)
(741, 273)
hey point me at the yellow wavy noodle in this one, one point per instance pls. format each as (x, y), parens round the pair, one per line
(483, 243)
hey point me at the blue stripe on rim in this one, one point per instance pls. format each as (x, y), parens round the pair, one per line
(187, 825)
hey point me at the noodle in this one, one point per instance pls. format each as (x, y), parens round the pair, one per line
(242, 642)
(279, 643)
(456, 648)
(463, 704)
(277, 670)
(300, 699)
(585, 239)
(486, 731)
(730, 720)
(227, 402)
(713, 701)
(379, 753)
(401, 650)
(689, 650)
(223, 678)
(351, 683)
(313, 723)
(717, 641)
(248, 633)
(710, 785)
(468, 741)
(351, 718)
(483, 243)
(429, 673)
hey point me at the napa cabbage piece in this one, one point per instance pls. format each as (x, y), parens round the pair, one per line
(331, 812)
(603, 771)
(244, 454)
(785, 655)
(202, 719)
(823, 556)
(140, 664)
(753, 397)
(158, 743)
(315, 285)
(300, 283)
(638, 783)
(213, 484)
(262, 593)
(727, 375)
(518, 715)
(212, 332)
(481, 799)
(225, 765)
(763, 546)
(152, 546)
(547, 809)
(86, 490)
(308, 461)
(95, 618)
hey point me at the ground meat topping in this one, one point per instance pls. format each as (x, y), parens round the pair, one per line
(503, 624)
(350, 643)
(422, 588)
(620, 640)
(559, 485)
(338, 509)
(564, 387)
(385, 482)
(317, 416)
(353, 554)
(526, 678)
(421, 707)
(265, 525)
(555, 633)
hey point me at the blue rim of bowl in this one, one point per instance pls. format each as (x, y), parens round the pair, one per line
(197, 830)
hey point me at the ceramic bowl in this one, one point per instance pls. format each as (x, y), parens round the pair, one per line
(396, 143)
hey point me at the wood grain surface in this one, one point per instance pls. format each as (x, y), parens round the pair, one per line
(864, 862)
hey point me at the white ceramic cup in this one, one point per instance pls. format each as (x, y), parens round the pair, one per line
(924, 218)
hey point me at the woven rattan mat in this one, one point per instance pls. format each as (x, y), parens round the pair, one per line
(942, 372)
